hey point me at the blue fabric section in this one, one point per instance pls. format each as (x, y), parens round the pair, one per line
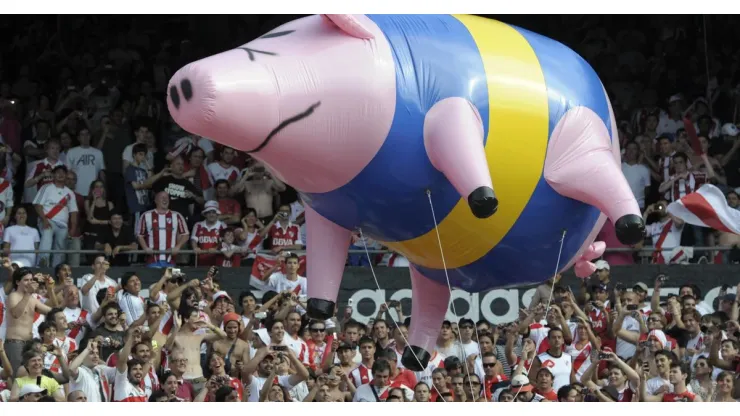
(435, 58)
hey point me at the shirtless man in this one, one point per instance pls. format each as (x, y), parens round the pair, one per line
(20, 311)
(235, 351)
(261, 188)
(188, 339)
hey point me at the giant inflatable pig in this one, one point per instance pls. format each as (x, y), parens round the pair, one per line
(396, 123)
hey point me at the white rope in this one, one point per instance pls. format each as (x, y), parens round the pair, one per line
(549, 300)
(377, 284)
(449, 287)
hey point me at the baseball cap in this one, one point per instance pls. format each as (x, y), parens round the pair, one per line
(211, 206)
(231, 316)
(602, 264)
(729, 129)
(30, 389)
(674, 98)
(599, 288)
(642, 286)
(264, 336)
(221, 294)
(520, 383)
(728, 298)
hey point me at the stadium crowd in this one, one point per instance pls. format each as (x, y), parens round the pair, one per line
(93, 161)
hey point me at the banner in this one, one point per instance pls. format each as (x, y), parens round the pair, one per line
(264, 262)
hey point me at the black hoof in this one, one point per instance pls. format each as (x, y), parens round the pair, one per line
(483, 202)
(415, 358)
(630, 229)
(320, 309)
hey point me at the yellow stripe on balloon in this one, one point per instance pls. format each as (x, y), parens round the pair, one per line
(515, 149)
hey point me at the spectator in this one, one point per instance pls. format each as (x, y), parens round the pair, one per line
(98, 209)
(41, 172)
(206, 235)
(86, 162)
(260, 191)
(56, 206)
(116, 239)
(223, 169)
(21, 237)
(163, 231)
(196, 172)
(182, 193)
(92, 283)
(138, 182)
(231, 212)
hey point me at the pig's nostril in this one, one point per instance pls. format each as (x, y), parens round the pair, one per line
(187, 89)
(175, 97)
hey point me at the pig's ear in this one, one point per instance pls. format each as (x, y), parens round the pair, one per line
(350, 25)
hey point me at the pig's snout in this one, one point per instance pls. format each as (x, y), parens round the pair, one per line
(225, 97)
(187, 92)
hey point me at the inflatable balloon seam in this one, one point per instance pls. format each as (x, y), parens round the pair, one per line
(449, 286)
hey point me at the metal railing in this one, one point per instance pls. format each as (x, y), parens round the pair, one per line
(644, 253)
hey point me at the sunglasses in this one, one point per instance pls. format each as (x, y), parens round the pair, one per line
(489, 365)
(318, 329)
(653, 320)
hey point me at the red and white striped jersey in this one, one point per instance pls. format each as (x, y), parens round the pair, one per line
(67, 344)
(253, 241)
(38, 167)
(167, 323)
(581, 358)
(6, 197)
(57, 202)
(683, 187)
(207, 237)
(437, 361)
(78, 321)
(51, 363)
(218, 172)
(299, 347)
(124, 391)
(282, 237)
(361, 375)
(160, 231)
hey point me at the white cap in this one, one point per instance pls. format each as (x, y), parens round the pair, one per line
(264, 336)
(211, 206)
(730, 129)
(221, 294)
(674, 98)
(30, 389)
(602, 264)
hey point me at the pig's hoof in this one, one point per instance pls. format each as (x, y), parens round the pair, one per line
(320, 309)
(415, 358)
(483, 202)
(630, 229)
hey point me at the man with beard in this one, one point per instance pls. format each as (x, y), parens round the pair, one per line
(129, 374)
(294, 340)
(665, 233)
(266, 357)
(111, 337)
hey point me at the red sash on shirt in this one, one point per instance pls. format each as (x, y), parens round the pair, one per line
(81, 320)
(58, 207)
(658, 254)
(4, 186)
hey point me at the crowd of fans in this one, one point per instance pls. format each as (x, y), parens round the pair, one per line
(93, 161)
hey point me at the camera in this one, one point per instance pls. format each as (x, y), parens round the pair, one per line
(260, 315)
(631, 308)
(604, 356)
(662, 278)
(280, 348)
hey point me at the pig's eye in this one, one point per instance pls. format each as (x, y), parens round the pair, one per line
(277, 34)
(252, 52)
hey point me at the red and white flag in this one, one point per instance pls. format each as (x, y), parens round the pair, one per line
(264, 262)
(707, 207)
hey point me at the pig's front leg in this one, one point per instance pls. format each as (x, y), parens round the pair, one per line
(326, 249)
(429, 303)
(580, 164)
(453, 138)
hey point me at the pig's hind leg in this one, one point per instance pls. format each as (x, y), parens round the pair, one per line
(581, 164)
(429, 303)
(327, 254)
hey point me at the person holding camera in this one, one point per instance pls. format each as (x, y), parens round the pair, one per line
(679, 376)
(665, 233)
(622, 378)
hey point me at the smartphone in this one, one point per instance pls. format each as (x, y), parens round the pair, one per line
(604, 356)
(393, 303)
(176, 272)
(631, 308)
(260, 315)
(279, 348)
(215, 272)
(662, 278)
(645, 344)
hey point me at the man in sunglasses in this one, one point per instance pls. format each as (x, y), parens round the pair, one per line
(317, 344)
(492, 377)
